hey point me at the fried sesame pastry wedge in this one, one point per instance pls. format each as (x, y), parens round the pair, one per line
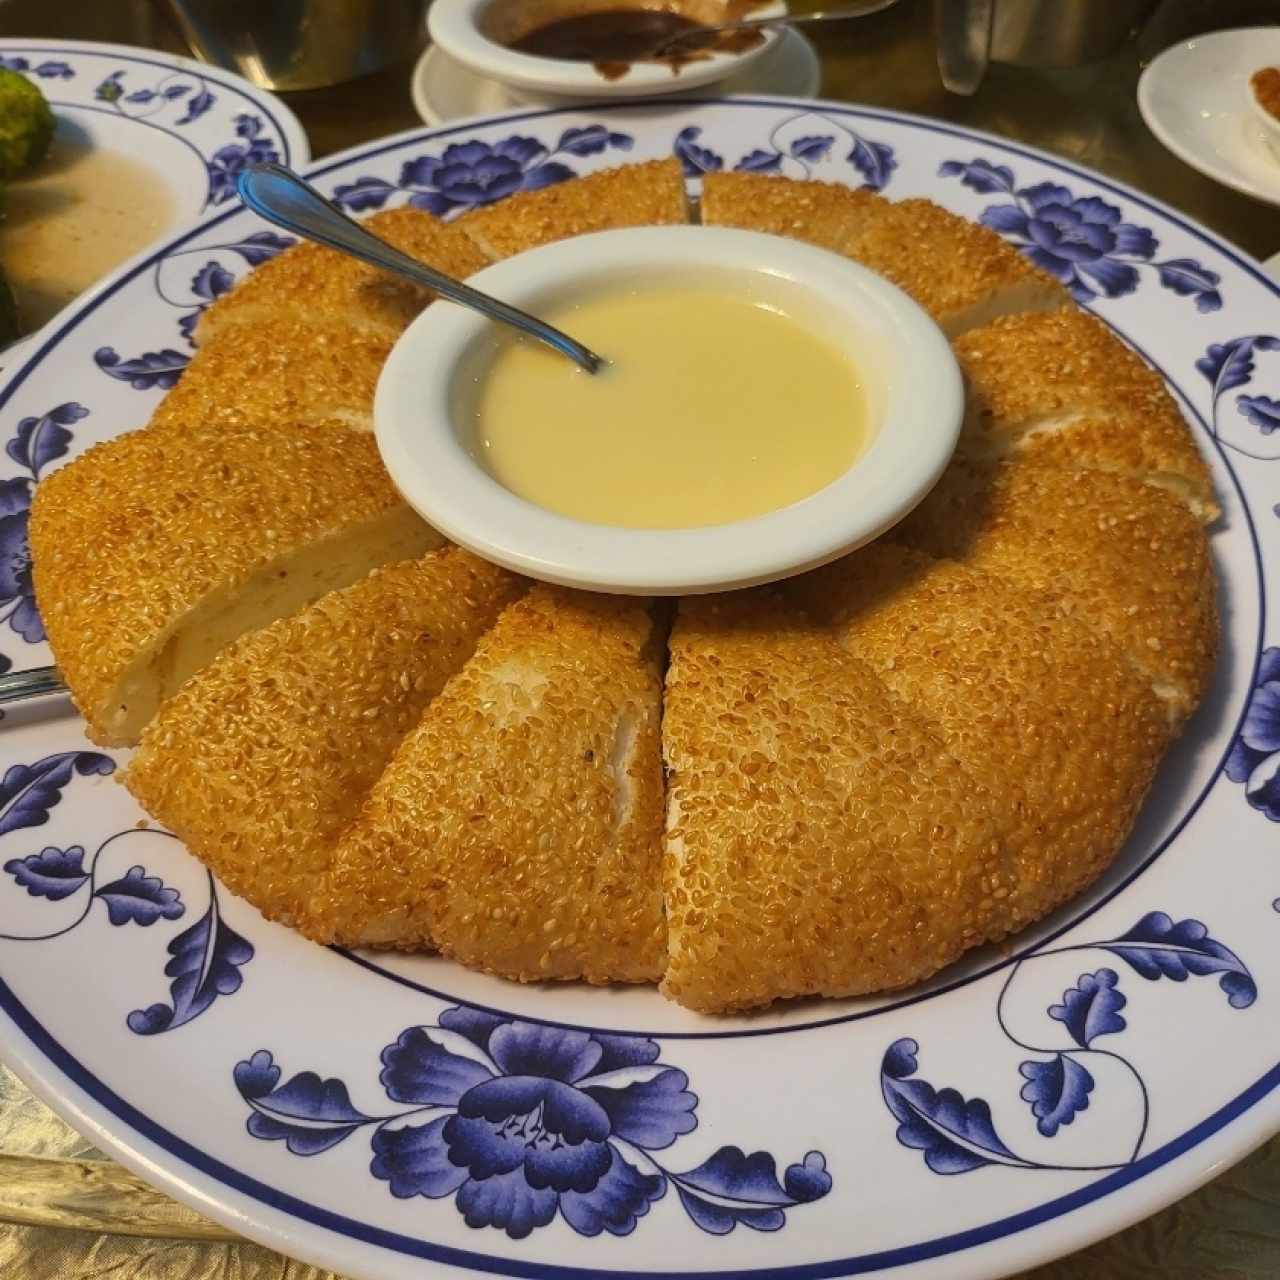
(819, 213)
(314, 282)
(1042, 710)
(155, 550)
(1125, 557)
(821, 840)
(518, 828)
(634, 195)
(262, 758)
(1061, 387)
(284, 368)
(963, 274)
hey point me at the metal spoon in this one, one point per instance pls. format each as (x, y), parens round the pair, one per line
(282, 197)
(781, 20)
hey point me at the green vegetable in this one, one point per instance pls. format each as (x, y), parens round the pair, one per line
(26, 124)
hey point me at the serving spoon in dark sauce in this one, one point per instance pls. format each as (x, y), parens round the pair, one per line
(681, 41)
(615, 38)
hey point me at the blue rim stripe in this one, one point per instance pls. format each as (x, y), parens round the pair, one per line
(856, 1265)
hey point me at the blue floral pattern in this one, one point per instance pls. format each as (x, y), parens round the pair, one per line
(147, 101)
(955, 1134)
(160, 370)
(205, 959)
(1255, 754)
(468, 175)
(35, 443)
(229, 162)
(520, 1121)
(1228, 366)
(52, 69)
(1082, 241)
(796, 147)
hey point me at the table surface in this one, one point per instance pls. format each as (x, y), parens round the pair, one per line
(67, 1213)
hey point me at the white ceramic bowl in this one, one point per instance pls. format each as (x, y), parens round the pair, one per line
(914, 393)
(458, 27)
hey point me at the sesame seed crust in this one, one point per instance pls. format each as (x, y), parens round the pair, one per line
(1061, 387)
(820, 838)
(1045, 712)
(136, 533)
(1126, 557)
(959, 272)
(518, 827)
(924, 746)
(283, 368)
(262, 758)
(634, 195)
(319, 283)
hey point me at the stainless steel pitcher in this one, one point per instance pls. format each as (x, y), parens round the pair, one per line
(300, 44)
(1029, 33)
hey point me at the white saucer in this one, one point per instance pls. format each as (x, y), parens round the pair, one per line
(1194, 97)
(444, 90)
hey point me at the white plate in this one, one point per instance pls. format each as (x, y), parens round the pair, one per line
(444, 90)
(1194, 98)
(192, 125)
(178, 1030)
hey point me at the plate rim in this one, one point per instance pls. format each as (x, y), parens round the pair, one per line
(1215, 1136)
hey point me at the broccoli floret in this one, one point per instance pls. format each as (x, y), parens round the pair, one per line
(26, 124)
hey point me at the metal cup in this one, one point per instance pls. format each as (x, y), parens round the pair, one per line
(300, 44)
(1029, 33)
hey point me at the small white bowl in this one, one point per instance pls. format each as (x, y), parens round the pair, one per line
(426, 395)
(464, 30)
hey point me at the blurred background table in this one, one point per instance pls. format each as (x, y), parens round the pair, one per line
(68, 1213)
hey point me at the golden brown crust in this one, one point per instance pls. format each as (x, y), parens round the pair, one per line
(260, 760)
(282, 368)
(820, 840)
(311, 282)
(961, 273)
(135, 533)
(635, 195)
(1038, 707)
(1062, 388)
(1128, 558)
(518, 828)
(820, 213)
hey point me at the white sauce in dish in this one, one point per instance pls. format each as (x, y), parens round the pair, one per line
(82, 212)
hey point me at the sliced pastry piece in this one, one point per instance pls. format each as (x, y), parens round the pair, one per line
(961, 273)
(820, 213)
(155, 550)
(635, 195)
(1126, 557)
(821, 840)
(1042, 710)
(314, 283)
(518, 828)
(263, 757)
(1063, 388)
(283, 368)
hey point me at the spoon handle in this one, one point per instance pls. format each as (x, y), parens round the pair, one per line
(281, 196)
(19, 686)
(863, 10)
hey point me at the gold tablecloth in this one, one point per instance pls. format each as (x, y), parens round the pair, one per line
(68, 1213)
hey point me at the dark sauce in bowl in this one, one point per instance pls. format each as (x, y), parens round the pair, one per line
(609, 36)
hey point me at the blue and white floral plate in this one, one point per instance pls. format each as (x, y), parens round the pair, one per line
(373, 1114)
(192, 125)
